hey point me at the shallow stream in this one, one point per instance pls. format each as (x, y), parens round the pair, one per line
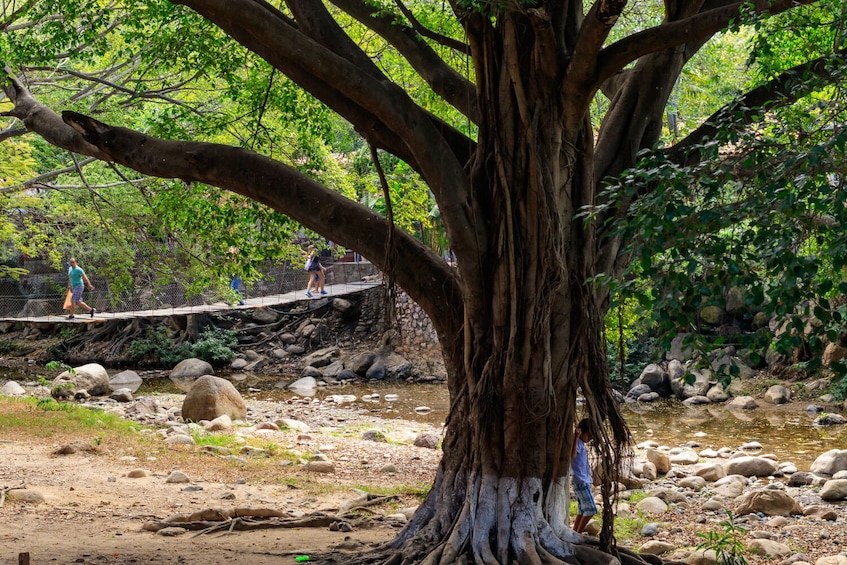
(785, 431)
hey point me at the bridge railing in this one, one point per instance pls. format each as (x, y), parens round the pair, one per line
(43, 294)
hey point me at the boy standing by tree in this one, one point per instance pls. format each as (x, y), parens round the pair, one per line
(581, 476)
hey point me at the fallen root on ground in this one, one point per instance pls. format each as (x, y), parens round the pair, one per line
(213, 520)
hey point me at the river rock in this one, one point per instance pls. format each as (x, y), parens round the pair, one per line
(699, 387)
(694, 482)
(710, 472)
(769, 548)
(91, 378)
(121, 395)
(801, 478)
(830, 462)
(321, 357)
(177, 477)
(749, 466)
(645, 470)
(684, 457)
(126, 379)
(25, 495)
(777, 394)
(743, 403)
(319, 467)
(834, 489)
(823, 512)
(829, 419)
(717, 393)
(12, 388)
(770, 502)
(656, 547)
(656, 379)
(832, 560)
(187, 371)
(427, 440)
(332, 370)
(211, 397)
(305, 386)
(730, 486)
(702, 557)
(652, 505)
(660, 459)
(360, 363)
(377, 371)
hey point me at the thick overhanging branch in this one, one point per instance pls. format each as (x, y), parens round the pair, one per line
(381, 111)
(696, 28)
(286, 190)
(784, 89)
(40, 118)
(455, 89)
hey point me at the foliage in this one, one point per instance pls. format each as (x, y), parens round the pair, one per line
(156, 348)
(213, 345)
(7, 345)
(727, 544)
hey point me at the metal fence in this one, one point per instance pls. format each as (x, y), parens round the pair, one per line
(42, 291)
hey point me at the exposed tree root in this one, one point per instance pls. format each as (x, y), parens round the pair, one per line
(214, 520)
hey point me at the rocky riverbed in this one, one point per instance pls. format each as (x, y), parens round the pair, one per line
(670, 494)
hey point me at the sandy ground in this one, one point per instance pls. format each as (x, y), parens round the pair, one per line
(94, 513)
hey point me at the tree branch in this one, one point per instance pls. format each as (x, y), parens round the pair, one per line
(40, 118)
(381, 111)
(782, 90)
(593, 32)
(288, 191)
(455, 89)
(696, 28)
(424, 31)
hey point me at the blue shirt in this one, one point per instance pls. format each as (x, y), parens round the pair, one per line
(76, 274)
(580, 469)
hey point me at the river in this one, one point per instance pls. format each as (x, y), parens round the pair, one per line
(785, 431)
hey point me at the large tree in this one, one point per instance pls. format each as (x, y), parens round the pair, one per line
(519, 320)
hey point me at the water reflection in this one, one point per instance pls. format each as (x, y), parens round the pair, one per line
(785, 431)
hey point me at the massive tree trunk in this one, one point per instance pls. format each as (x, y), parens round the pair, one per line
(532, 332)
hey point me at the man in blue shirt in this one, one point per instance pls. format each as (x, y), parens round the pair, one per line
(77, 281)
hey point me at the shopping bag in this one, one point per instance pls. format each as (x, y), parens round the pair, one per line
(67, 300)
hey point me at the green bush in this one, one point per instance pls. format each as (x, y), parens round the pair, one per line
(213, 345)
(156, 348)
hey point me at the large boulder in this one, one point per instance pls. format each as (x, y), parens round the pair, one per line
(91, 378)
(830, 462)
(187, 371)
(777, 394)
(700, 386)
(656, 378)
(211, 397)
(749, 466)
(770, 502)
(834, 489)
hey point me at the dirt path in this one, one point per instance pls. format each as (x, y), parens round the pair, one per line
(94, 513)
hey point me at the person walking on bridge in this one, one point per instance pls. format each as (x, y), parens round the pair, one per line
(77, 281)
